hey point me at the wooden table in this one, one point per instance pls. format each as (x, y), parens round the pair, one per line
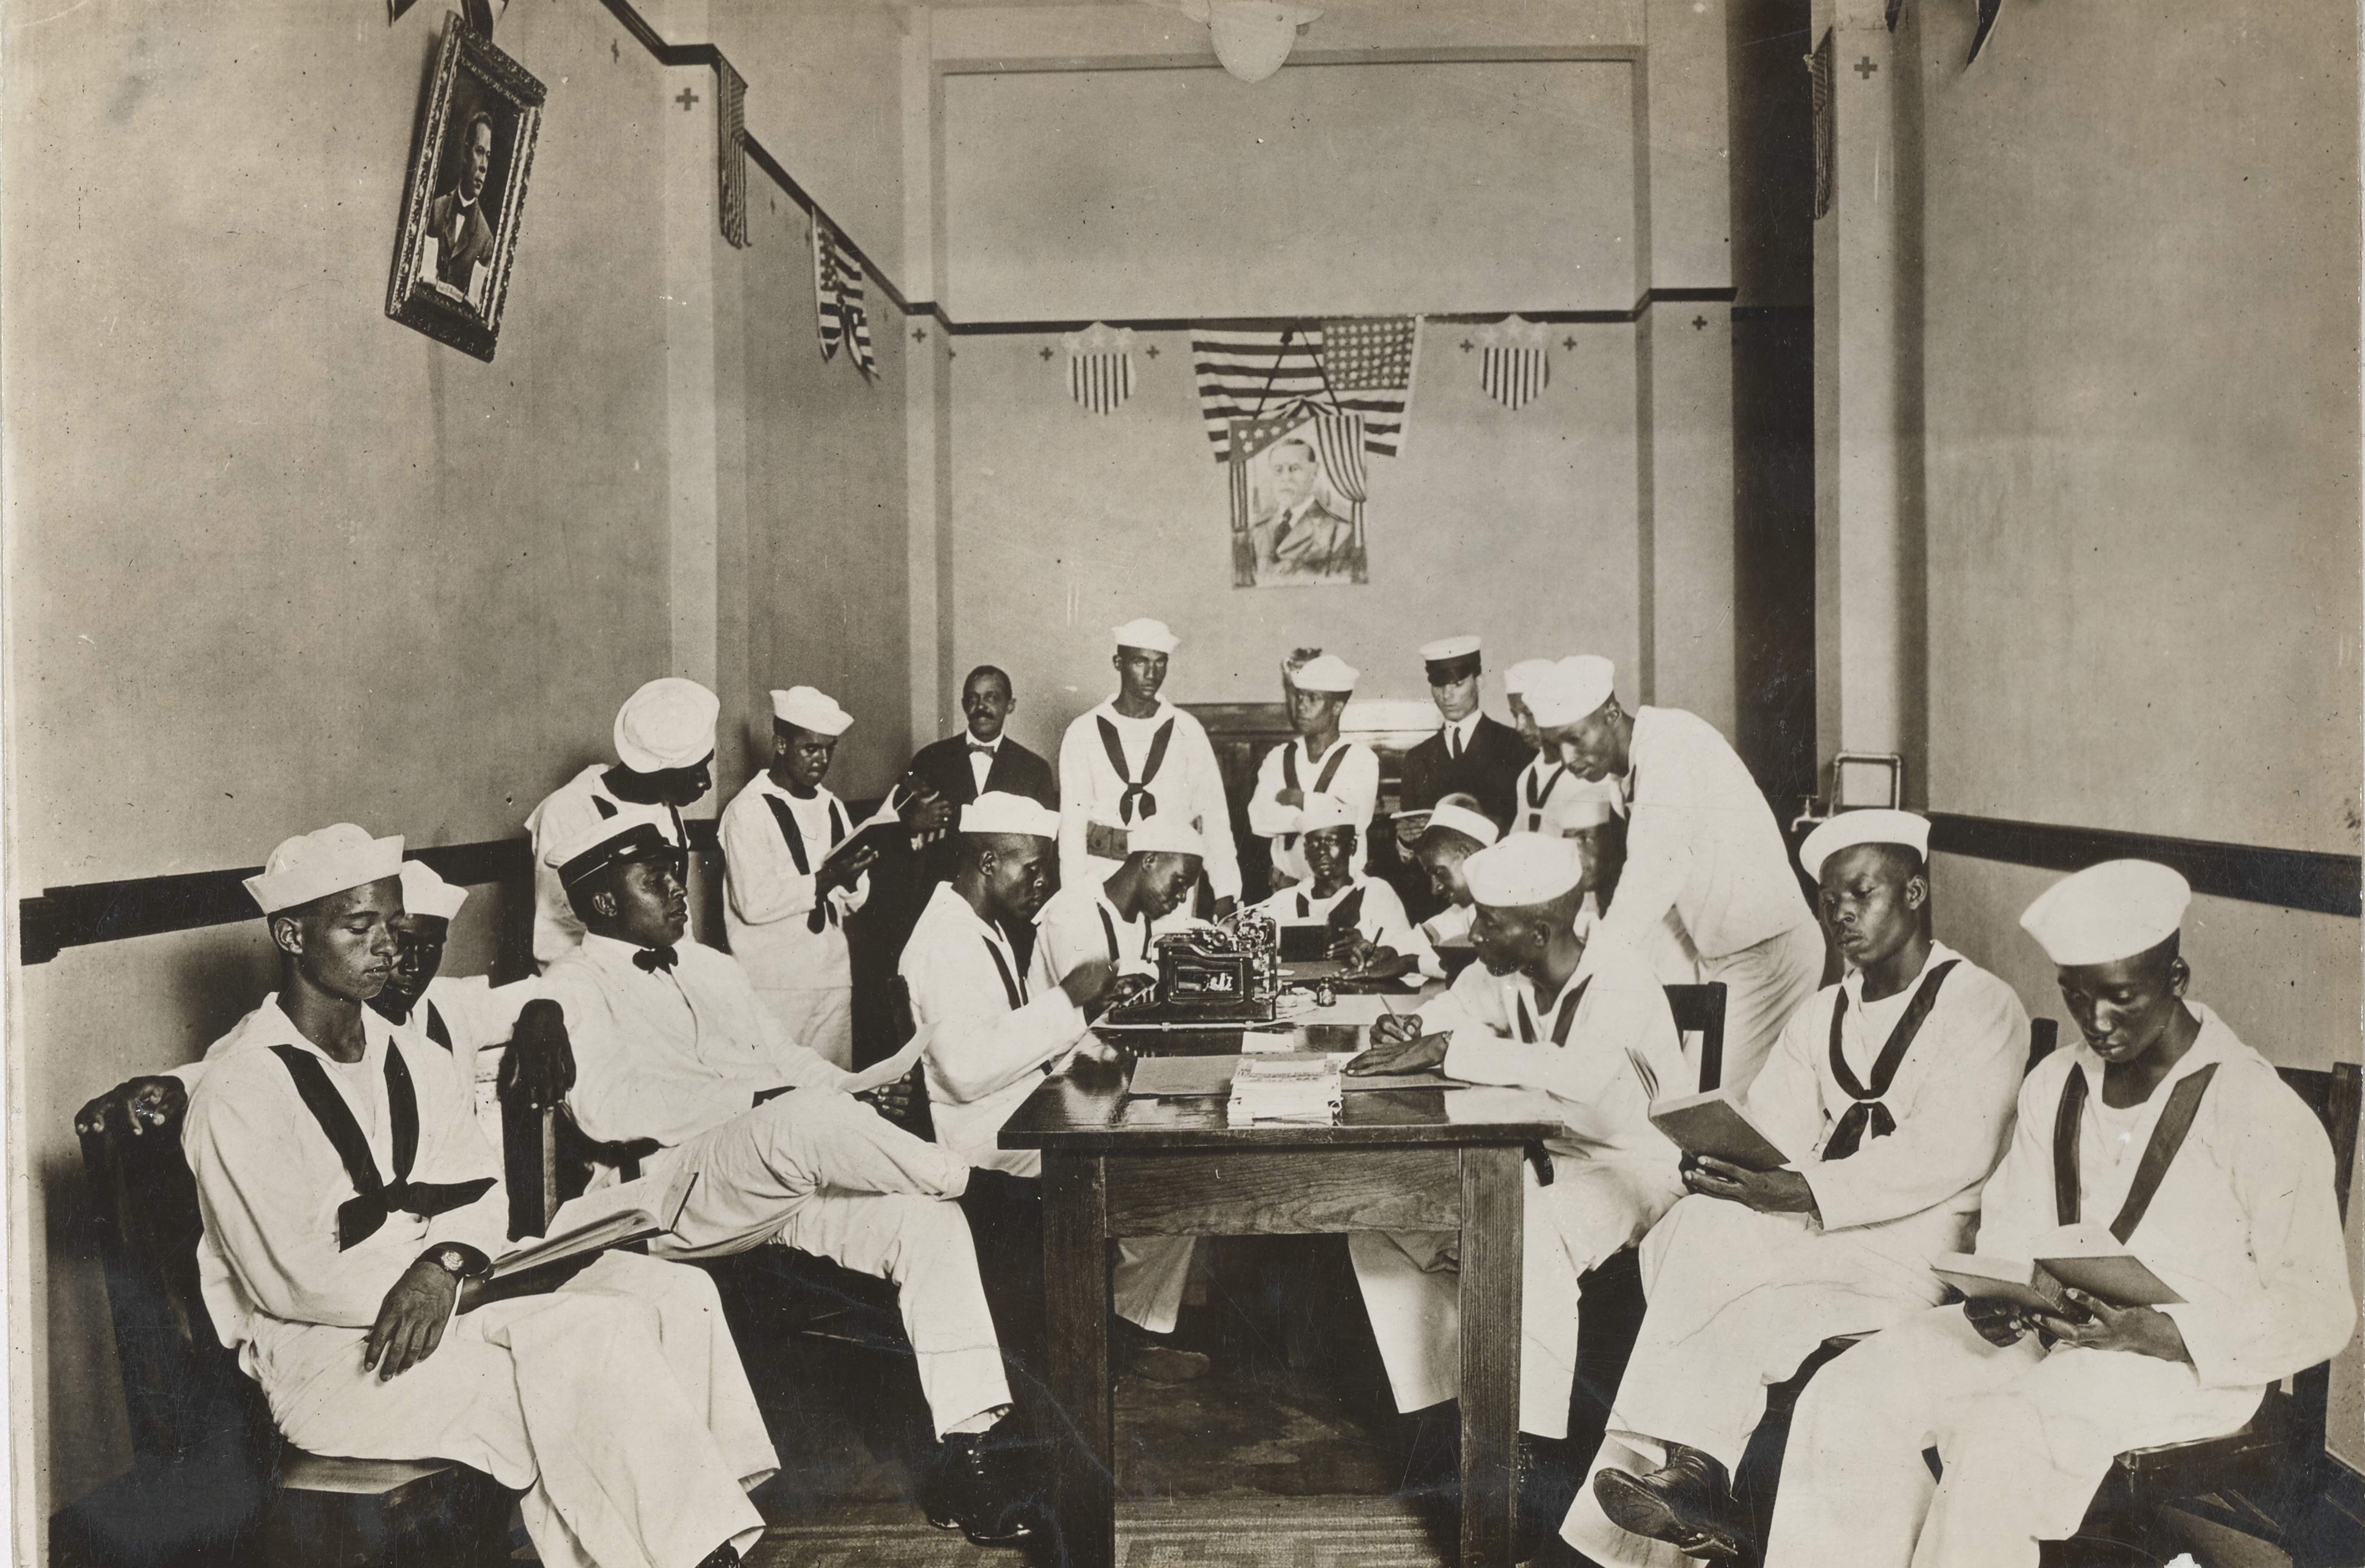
(1399, 1160)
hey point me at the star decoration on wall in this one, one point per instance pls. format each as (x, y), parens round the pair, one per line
(1468, 345)
(1152, 351)
(919, 334)
(1044, 352)
(1569, 342)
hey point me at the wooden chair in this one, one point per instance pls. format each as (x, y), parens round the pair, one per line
(211, 1474)
(1700, 1010)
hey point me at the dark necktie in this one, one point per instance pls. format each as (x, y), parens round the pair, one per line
(1453, 742)
(986, 750)
(650, 961)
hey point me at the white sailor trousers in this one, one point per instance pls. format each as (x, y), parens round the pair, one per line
(616, 1404)
(824, 1173)
(1412, 1285)
(2024, 1436)
(1737, 1300)
(1762, 986)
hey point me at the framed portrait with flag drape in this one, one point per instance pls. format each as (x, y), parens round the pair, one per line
(1296, 416)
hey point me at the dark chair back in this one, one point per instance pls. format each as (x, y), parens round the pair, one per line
(1700, 1010)
(182, 1387)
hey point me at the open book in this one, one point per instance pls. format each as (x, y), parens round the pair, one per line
(883, 827)
(612, 1216)
(1714, 1123)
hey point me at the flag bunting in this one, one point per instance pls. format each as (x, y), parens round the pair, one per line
(1514, 360)
(1100, 367)
(837, 298)
(1362, 368)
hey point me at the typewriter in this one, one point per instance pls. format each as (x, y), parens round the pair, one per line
(1219, 975)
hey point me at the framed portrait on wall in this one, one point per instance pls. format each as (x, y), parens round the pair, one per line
(1297, 499)
(469, 160)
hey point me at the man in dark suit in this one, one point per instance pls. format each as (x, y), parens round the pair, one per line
(961, 768)
(463, 234)
(1471, 755)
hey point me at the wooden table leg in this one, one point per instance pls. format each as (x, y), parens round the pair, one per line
(1076, 1285)
(1492, 1236)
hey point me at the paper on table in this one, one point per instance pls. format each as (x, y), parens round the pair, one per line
(1180, 1076)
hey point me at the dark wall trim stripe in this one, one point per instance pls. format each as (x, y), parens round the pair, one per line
(1274, 323)
(2290, 878)
(91, 912)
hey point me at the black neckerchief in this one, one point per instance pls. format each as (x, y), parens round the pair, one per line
(373, 1198)
(1869, 1116)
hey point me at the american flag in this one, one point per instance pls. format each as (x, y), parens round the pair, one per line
(838, 297)
(1358, 367)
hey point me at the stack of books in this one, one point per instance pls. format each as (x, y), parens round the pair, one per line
(1300, 1089)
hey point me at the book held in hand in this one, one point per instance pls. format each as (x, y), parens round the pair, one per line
(1713, 1123)
(2021, 1281)
(612, 1216)
(2083, 1258)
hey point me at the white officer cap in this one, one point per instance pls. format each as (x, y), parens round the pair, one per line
(1849, 829)
(999, 811)
(1465, 822)
(1445, 650)
(1145, 634)
(425, 893)
(1325, 811)
(1523, 675)
(326, 860)
(2108, 912)
(1525, 869)
(810, 710)
(635, 833)
(1166, 834)
(1327, 673)
(668, 723)
(1570, 691)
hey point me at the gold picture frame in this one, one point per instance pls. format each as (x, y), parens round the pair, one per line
(478, 123)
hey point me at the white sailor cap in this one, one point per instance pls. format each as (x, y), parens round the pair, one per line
(1525, 869)
(1164, 835)
(2108, 912)
(665, 724)
(999, 811)
(635, 833)
(1328, 672)
(1588, 807)
(326, 860)
(425, 893)
(1323, 810)
(1523, 675)
(1465, 822)
(1849, 829)
(1145, 634)
(1570, 691)
(808, 709)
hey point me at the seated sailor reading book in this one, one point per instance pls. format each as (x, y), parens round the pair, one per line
(1584, 1022)
(1889, 1096)
(673, 1046)
(352, 1215)
(2156, 1121)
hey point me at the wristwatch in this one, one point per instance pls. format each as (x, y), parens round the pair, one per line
(451, 1259)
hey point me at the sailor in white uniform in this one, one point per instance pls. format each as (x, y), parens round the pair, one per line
(1457, 830)
(351, 1213)
(1892, 1092)
(1319, 761)
(1699, 840)
(1134, 757)
(1368, 927)
(1583, 1022)
(2158, 1122)
(672, 1047)
(786, 900)
(665, 752)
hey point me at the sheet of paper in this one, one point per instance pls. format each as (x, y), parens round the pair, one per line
(1178, 1077)
(894, 1067)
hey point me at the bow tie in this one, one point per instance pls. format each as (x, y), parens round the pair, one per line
(649, 960)
(979, 746)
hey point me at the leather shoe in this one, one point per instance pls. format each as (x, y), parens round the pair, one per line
(1154, 1358)
(1547, 1480)
(977, 1489)
(1688, 1503)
